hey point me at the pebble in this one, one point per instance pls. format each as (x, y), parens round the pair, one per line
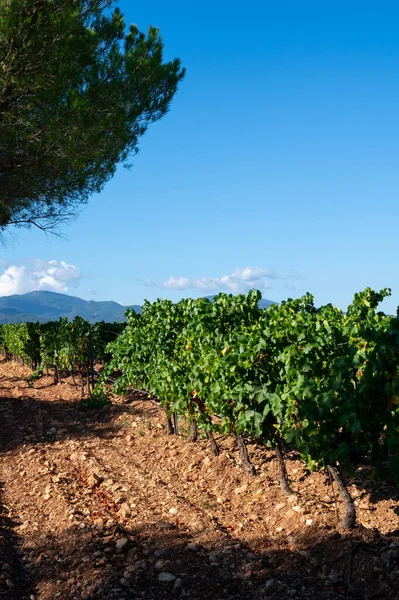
(121, 544)
(193, 546)
(213, 558)
(98, 523)
(179, 583)
(94, 480)
(166, 577)
(47, 493)
(242, 489)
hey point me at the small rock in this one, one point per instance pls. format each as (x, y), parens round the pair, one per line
(279, 529)
(291, 499)
(124, 510)
(179, 584)
(193, 546)
(172, 511)
(242, 489)
(166, 577)
(94, 480)
(213, 557)
(121, 544)
(98, 523)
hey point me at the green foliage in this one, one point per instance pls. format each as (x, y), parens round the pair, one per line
(21, 340)
(323, 380)
(94, 402)
(77, 91)
(35, 376)
(58, 344)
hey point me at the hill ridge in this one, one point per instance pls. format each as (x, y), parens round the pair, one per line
(44, 305)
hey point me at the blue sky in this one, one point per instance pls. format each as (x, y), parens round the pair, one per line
(276, 166)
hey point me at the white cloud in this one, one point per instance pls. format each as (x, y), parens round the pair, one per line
(51, 275)
(181, 283)
(241, 280)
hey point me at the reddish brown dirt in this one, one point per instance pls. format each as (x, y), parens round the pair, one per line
(98, 504)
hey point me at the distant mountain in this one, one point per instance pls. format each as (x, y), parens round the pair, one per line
(49, 306)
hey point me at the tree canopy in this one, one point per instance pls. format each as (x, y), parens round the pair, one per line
(77, 90)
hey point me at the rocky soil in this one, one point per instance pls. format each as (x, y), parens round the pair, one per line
(102, 504)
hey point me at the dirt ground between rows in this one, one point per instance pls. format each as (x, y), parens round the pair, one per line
(102, 504)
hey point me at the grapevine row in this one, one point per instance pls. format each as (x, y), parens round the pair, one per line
(322, 381)
(58, 345)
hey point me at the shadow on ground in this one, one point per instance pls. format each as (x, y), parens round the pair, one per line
(28, 420)
(13, 582)
(324, 565)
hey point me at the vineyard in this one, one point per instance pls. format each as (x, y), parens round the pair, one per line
(198, 451)
(59, 346)
(318, 381)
